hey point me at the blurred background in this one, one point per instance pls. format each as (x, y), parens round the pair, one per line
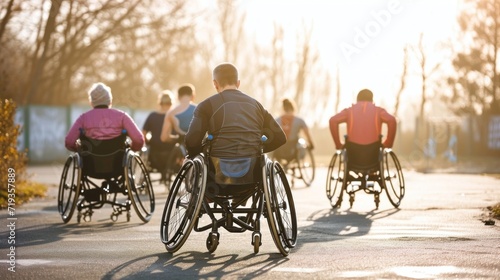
(431, 63)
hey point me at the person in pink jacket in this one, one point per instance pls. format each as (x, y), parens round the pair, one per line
(364, 122)
(103, 122)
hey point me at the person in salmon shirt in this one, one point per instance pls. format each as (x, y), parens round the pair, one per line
(103, 122)
(364, 122)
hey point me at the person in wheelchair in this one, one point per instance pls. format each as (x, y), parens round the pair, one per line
(364, 162)
(364, 123)
(177, 120)
(235, 120)
(103, 122)
(103, 140)
(292, 125)
(158, 150)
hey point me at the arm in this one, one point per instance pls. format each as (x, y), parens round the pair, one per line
(165, 130)
(73, 135)
(133, 132)
(176, 126)
(334, 127)
(276, 136)
(308, 136)
(170, 122)
(197, 130)
(390, 120)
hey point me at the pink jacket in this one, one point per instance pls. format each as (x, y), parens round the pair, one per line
(104, 123)
(364, 124)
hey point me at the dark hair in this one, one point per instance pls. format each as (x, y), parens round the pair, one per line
(225, 74)
(288, 105)
(185, 89)
(365, 95)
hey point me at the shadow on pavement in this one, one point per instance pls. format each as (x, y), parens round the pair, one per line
(54, 232)
(200, 266)
(333, 224)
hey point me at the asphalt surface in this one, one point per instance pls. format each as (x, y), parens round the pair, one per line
(437, 233)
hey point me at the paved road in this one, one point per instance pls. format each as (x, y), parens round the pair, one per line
(437, 233)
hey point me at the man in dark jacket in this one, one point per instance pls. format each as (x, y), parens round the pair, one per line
(235, 120)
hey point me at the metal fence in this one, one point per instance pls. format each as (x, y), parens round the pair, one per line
(44, 129)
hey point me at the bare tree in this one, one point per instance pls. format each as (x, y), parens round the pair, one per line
(38, 64)
(7, 16)
(277, 68)
(231, 24)
(125, 44)
(425, 72)
(307, 57)
(476, 82)
(403, 78)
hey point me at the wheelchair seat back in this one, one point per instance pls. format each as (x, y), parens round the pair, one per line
(102, 159)
(363, 157)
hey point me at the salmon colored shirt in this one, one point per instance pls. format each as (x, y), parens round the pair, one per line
(104, 123)
(364, 124)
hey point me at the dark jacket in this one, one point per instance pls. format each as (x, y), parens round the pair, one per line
(237, 122)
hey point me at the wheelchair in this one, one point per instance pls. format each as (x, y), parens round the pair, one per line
(242, 191)
(298, 162)
(369, 168)
(173, 161)
(122, 173)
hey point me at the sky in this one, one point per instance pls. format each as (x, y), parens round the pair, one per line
(363, 38)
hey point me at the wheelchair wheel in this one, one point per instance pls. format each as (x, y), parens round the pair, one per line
(139, 187)
(281, 215)
(335, 180)
(69, 187)
(393, 180)
(307, 167)
(183, 204)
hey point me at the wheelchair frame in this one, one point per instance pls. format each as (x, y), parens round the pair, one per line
(188, 202)
(387, 176)
(300, 167)
(78, 190)
(174, 162)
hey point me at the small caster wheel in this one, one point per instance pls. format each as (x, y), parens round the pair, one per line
(256, 242)
(212, 242)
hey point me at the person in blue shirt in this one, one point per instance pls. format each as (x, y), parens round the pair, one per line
(177, 119)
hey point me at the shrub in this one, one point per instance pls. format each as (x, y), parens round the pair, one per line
(495, 211)
(13, 161)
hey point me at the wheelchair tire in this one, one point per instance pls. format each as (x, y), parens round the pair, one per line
(393, 180)
(183, 205)
(139, 186)
(69, 187)
(281, 215)
(336, 180)
(307, 168)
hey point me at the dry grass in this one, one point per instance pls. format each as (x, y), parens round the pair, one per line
(495, 211)
(25, 191)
